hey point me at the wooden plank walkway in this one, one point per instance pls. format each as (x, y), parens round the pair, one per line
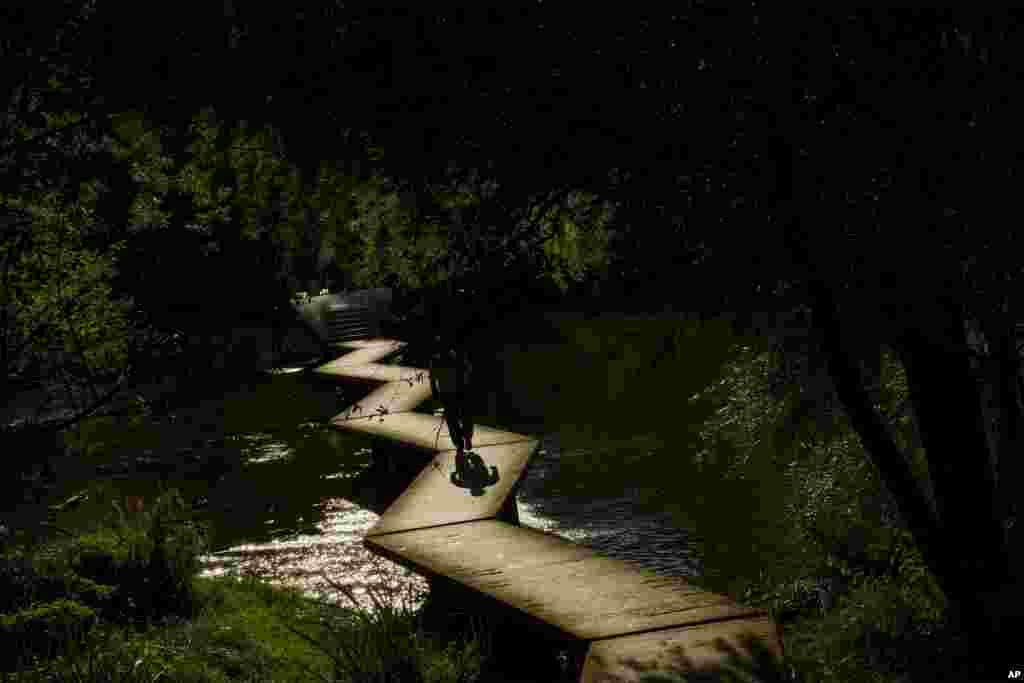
(634, 620)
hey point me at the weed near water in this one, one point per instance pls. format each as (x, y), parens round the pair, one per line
(124, 603)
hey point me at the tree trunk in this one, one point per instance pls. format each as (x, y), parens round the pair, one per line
(899, 479)
(948, 409)
(985, 599)
(1009, 473)
(964, 543)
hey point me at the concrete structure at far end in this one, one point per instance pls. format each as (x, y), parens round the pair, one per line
(345, 316)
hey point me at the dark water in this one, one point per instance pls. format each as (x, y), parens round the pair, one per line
(609, 398)
(616, 473)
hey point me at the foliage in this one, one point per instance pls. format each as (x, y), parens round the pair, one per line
(391, 240)
(777, 401)
(67, 328)
(42, 630)
(580, 243)
(135, 571)
(750, 662)
(216, 194)
(239, 634)
(385, 644)
(232, 187)
(739, 185)
(854, 590)
(62, 326)
(171, 653)
(149, 557)
(747, 414)
(217, 197)
(123, 603)
(168, 549)
(469, 236)
(723, 183)
(26, 581)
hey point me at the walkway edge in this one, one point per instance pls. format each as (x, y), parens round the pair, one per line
(632, 619)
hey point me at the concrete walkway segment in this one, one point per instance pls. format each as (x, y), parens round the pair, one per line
(634, 621)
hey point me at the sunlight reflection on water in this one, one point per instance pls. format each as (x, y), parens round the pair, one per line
(270, 451)
(611, 525)
(301, 561)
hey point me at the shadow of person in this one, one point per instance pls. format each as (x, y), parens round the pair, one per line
(471, 473)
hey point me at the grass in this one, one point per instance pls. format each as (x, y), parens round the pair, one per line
(124, 603)
(85, 608)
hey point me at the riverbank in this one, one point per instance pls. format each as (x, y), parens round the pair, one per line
(125, 603)
(614, 480)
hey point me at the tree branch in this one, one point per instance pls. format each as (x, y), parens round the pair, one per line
(99, 402)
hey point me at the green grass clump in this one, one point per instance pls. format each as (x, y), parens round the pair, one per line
(124, 602)
(388, 644)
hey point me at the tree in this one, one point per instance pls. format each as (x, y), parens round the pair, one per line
(912, 103)
(922, 314)
(715, 137)
(230, 210)
(61, 327)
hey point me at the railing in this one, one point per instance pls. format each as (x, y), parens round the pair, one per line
(456, 524)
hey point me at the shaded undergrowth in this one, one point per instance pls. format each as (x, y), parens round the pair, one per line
(124, 602)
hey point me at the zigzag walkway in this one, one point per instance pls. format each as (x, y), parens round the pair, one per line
(631, 619)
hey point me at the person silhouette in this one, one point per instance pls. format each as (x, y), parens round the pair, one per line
(453, 356)
(455, 399)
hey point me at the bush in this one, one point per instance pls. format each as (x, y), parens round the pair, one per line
(386, 644)
(25, 581)
(43, 631)
(138, 568)
(19, 581)
(857, 599)
(120, 655)
(150, 557)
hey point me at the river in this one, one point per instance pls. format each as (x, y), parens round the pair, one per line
(608, 396)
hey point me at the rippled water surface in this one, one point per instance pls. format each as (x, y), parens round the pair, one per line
(618, 526)
(333, 551)
(614, 471)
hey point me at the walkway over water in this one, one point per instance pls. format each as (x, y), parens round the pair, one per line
(631, 619)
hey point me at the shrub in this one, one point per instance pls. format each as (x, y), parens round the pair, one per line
(18, 581)
(26, 580)
(43, 630)
(385, 644)
(853, 589)
(150, 557)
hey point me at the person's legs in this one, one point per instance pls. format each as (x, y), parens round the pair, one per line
(454, 420)
(467, 424)
(463, 399)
